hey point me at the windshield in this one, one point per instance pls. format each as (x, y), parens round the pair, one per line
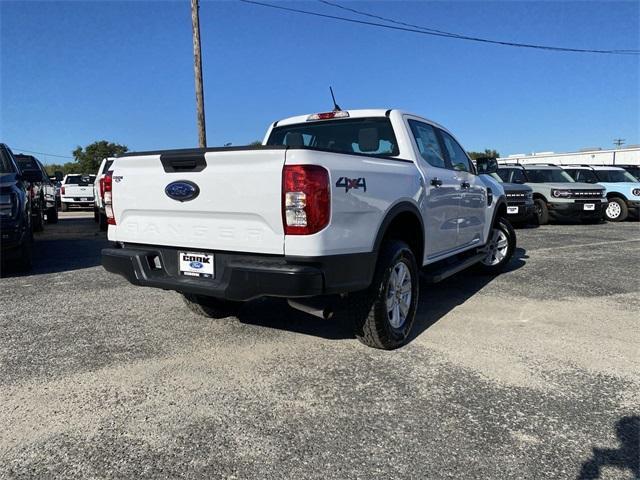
(373, 136)
(633, 170)
(81, 180)
(6, 166)
(615, 176)
(548, 175)
(497, 177)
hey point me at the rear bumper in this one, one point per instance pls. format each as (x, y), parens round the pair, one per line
(577, 209)
(244, 276)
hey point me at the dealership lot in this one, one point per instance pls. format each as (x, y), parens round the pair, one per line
(532, 374)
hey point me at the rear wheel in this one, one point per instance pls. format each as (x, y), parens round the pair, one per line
(500, 248)
(209, 306)
(38, 221)
(65, 207)
(617, 210)
(541, 211)
(384, 314)
(102, 222)
(52, 215)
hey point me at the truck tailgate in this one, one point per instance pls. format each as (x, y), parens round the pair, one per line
(238, 207)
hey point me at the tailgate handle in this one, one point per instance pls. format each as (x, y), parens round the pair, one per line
(183, 162)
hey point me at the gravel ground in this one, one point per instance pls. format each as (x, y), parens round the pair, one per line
(533, 374)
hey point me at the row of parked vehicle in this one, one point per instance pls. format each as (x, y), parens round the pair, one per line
(30, 198)
(541, 192)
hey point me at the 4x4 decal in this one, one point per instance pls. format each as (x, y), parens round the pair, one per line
(352, 183)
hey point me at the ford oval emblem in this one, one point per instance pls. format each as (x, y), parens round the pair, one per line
(182, 190)
(196, 265)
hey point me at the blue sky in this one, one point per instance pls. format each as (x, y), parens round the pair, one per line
(75, 72)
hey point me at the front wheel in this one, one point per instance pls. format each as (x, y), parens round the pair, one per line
(384, 314)
(617, 210)
(209, 306)
(541, 211)
(500, 248)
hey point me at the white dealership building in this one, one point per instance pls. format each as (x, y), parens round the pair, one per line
(588, 156)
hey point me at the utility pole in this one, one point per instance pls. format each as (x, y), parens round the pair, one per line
(197, 69)
(618, 142)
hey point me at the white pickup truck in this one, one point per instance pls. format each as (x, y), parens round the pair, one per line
(337, 211)
(77, 190)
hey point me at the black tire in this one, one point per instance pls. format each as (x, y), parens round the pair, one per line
(96, 215)
(38, 221)
(209, 306)
(102, 222)
(52, 215)
(504, 232)
(617, 211)
(368, 310)
(541, 211)
(65, 207)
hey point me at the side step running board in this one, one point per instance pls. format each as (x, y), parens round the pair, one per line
(445, 271)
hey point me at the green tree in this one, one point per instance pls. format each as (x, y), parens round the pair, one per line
(486, 153)
(255, 143)
(88, 158)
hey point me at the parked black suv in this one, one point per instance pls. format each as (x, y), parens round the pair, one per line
(16, 233)
(41, 189)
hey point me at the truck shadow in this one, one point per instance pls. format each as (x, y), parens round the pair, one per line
(71, 244)
(436, 300)
(627, 457)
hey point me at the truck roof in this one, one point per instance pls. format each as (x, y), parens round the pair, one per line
(358, 113)
(592, 167)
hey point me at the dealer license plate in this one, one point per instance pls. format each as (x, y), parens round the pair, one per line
(512, 209)
(196, 264)
(589, 206)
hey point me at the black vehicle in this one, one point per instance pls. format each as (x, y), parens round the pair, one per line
(16, 233)
(41, 189)
(520, 206)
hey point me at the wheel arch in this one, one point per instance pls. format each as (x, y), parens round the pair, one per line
(619, 195)
(404, 222)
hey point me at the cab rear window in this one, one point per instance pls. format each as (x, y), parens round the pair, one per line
(82, 180)
(371, 136)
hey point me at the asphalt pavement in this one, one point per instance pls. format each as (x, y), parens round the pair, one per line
(533, 374)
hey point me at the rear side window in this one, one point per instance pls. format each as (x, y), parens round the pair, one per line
(372, 136)
(428, 145)
(586, 176)
(6, 165)
(107, 166)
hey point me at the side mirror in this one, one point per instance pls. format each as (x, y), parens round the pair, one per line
(32, 176)
(487, 165)
(58, 175)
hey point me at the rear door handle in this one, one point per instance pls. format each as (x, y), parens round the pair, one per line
(436, 182)
(465, 185)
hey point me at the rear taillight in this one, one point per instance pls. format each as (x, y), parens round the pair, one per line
(306, 204)
(61, 190)
(106, 184)
(101, 186)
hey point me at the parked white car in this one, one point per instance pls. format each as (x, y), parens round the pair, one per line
(98, 193)
(77, 190)
(337, 211)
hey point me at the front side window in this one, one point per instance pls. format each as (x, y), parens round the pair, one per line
(457, 156)
(371, 136)
(428, 145)
(614, 176)
(548, 175)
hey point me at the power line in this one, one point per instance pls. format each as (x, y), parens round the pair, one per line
(41, 153)
(433, 32)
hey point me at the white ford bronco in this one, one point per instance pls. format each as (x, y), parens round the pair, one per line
(338, 212)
